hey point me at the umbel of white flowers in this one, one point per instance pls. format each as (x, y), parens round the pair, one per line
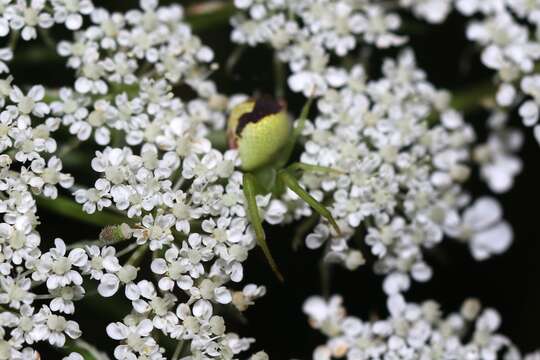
(404, 156)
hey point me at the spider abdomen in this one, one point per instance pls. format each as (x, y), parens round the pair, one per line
(258, 129)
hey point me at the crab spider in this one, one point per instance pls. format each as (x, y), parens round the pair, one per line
(265, 139)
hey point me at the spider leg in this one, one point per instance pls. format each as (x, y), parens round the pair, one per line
(287, 150)
(249, 185)
(303, 117)
(299, 166)
(290, 181)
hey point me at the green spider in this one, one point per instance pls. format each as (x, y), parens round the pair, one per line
(261, 131)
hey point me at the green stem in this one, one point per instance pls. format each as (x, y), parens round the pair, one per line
(297, 132)
(233, 59)
(218, 138)
(302, 229)
(98, 242)
(202, 20)
(113, 308)
(325, 272)
(87, 350)
(47, 39)
(468, 99)
(471, 98)
(68, 147)
(127, 249)
(36, 55)
(325, 278)
(51, 95)
(178, 350)
(136, 258)
(68, 208)
(279, 78)
(14, 38)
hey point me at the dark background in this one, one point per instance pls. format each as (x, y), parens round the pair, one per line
(508, 283)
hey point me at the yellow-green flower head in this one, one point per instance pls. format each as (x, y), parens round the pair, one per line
(259, 129)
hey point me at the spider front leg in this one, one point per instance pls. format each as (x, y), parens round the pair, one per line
(288, 179)
(299, 166)
(249, 188)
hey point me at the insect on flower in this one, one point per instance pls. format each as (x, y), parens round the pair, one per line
(261, 131)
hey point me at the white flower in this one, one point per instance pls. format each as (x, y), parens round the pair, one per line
(110, 282)
(157, 231)
(5, 56)
(52, 328)
(57, 269)
(182, 210)
(379, 27)
(16, 292)
(108, 285)
(72, 108)
(50, 176)
(324, 315)
(30, 103)
(317, 238)
(100, 260)
(64, 298)
(73, 356)
(26, 15)
(69, 12)
(483, 228)
(175, 268)
(146, 301)
(434, 11)
(469, 7)
(202, 169)
(94, 198)
(194, 317)
(275, 212)
(529, 113)
(499, 165)
(396, 283)
(416, 331)
(245, 298)
(137, 338)
(506, 94)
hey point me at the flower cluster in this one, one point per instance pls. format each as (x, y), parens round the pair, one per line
(305, 34)
(126, 67)
(507, 33)
(411, 331)
(182, 199)
(400, 156)
(402, 174)
(403, 151)
(30, 16)
(403, 155)
(199, 234)
(28, 171)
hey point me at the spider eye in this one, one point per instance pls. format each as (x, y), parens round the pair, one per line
(259, 129)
